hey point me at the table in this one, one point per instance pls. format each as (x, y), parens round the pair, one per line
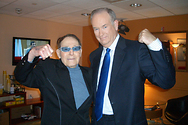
(18, 109)
(154, 114)
(151, 114)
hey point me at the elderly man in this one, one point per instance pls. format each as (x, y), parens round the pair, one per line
(65, 85)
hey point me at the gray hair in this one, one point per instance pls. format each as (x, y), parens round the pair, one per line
(109, 11)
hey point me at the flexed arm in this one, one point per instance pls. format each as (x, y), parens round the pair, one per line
(160, 70)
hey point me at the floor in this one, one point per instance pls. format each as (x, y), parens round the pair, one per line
(150, 122)
(159, 122)
(31, 123)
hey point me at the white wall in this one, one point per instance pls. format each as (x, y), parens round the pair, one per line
(11, 26)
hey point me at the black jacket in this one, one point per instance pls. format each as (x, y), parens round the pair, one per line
(52, 78)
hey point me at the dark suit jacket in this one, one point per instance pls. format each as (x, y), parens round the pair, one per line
(52, 78)
(133, 64)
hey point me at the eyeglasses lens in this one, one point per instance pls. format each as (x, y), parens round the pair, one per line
(67, 49)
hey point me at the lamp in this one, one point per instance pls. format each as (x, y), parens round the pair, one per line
(122, 28)
(175, 46)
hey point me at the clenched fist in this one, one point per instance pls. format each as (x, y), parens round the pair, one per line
(44, 51)
(146, 37)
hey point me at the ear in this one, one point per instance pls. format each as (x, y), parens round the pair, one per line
(116, 24)
(58, 53)
(80, 52)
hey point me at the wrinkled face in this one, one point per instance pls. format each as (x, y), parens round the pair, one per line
(105, 31)
(70, 58)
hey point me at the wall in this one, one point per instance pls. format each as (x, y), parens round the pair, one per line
(153, 94)
(180, 65)
(90, 43)
(11, 26)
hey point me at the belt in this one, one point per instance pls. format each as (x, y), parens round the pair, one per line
(104, 115)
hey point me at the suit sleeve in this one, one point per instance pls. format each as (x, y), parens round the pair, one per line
(157, 67)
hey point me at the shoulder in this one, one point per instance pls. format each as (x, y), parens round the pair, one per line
(47, 63)
(128, 41)
(96, 52)
(129, 44)
(88, 69)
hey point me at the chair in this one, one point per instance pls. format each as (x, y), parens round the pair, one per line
(176, 110)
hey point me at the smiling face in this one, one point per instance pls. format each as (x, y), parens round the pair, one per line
(71, 58)
(105, 31)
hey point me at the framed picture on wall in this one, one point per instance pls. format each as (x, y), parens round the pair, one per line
(181, 50)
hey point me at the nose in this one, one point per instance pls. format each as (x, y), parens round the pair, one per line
(100, 32)
(71, 52)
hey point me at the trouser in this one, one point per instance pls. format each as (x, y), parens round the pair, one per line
(106, 120)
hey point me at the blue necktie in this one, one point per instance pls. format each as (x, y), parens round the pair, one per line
(102, 85)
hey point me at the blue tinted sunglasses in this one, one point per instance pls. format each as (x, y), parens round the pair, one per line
(67, 49)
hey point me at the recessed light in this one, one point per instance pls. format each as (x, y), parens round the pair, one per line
(135, 5)
(85, 14)
(112, 1)
(18, 10)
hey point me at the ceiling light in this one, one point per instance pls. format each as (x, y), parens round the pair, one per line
(112, 1)
(135, 5)
(85, 14)
(18, 10)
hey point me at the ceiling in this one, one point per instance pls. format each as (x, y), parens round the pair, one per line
(69, 11)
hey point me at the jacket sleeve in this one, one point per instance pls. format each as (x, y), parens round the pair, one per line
(157, 67)
(24, 72)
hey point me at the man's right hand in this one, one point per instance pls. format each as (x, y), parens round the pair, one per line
(44, 51)
(146, 37)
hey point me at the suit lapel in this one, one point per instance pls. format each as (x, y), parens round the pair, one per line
(95, 64)
(64, 78)
(119, 56)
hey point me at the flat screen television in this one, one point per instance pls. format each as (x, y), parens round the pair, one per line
(21, 46)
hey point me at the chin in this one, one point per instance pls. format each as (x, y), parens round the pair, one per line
(73, 66)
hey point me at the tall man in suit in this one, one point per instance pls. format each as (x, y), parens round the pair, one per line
(131, 63)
